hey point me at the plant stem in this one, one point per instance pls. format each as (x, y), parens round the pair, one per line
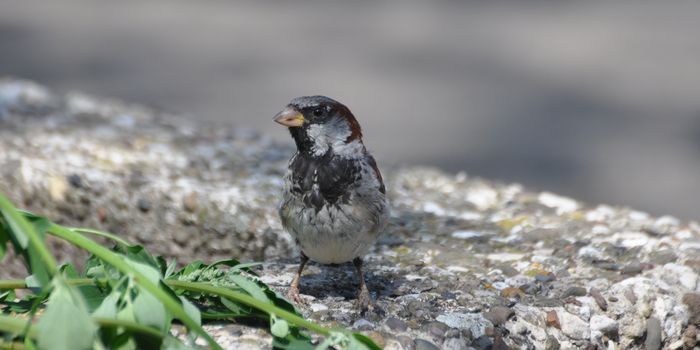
(250, 301)
(13, 284)
(132, 326)
(171, 304)
(21, 284)
(101, 234)
(203, 287)
(11, 346)
(15, 325)
(12, 214)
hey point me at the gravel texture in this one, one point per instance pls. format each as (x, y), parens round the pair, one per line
(465, 262)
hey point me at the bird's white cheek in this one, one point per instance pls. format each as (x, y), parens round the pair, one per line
(318, 135)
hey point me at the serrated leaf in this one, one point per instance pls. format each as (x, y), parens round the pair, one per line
(65, 325)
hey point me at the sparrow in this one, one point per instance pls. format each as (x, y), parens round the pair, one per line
(334, 201)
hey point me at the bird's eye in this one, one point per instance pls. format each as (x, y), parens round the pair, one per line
(317, 112)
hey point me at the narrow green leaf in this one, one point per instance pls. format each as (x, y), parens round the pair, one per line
(27, 236)
(7, 294)
(191, 310)
(4, 238)
(366, 342)
(233, 307)
(249, 287)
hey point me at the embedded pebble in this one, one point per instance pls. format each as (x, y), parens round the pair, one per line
(498, 315)
(573, 326)
(653, 339)
(455, 344)
(598, 297)
(482, 343)
(396, 324)
(573, 291)
(422, 344)
(692, 301)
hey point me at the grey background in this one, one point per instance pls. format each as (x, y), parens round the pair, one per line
(597, 100)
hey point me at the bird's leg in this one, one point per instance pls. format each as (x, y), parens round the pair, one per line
(363, 298)
(293, 292)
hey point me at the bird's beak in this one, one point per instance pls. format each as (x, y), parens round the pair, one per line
(289, 117)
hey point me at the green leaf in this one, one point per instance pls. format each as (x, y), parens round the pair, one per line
(172, 343)
(149, 311)
(92, 295)
(149, 271)
(234, 307)
(249, 287)
(364, 341)
(191, 310)
(126, 312)
(170, 269)
(4, 238)
(140, 254)
(65, 325)
(68, 271)
(29, 344)
(278, 327)
(109, 306)
(32, 281)
(7, 294)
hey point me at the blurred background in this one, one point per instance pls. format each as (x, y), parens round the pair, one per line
(596, 100)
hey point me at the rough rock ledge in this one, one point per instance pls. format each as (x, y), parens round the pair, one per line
(465, 262)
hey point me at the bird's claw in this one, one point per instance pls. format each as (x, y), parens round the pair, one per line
(294, 297)
(363, 300)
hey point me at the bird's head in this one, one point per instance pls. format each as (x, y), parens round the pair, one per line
(320, 124)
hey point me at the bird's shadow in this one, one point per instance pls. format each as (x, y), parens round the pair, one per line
(340, 281)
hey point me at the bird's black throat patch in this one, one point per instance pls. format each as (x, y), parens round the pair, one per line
(323, 180)
(302, 140)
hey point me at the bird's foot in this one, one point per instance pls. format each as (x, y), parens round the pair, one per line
(363, 300)
(293, 295)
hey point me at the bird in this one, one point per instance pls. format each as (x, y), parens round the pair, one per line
(334, 201)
